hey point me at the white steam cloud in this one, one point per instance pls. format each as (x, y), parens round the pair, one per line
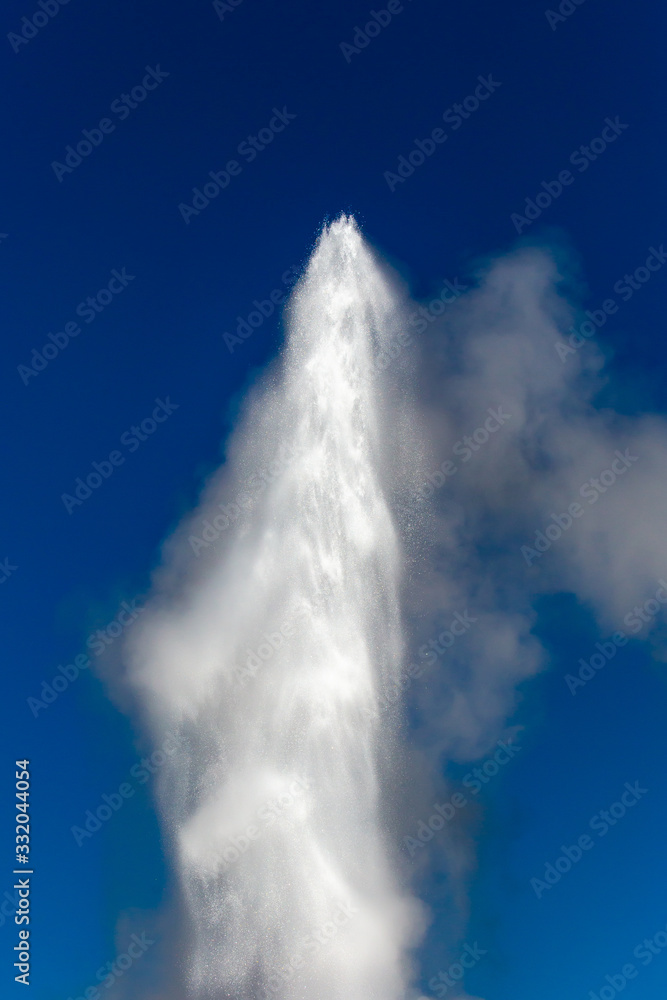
(364, 504)
(267, 655)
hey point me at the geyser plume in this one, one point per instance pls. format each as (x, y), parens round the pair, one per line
(266, 654)
(272, 649)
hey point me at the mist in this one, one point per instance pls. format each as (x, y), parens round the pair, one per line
(351, 608)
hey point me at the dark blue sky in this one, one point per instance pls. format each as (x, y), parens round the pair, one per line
(331, 126)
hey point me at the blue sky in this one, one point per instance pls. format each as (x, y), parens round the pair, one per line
(167, 285)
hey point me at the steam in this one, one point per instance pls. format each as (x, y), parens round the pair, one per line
(498, 347)
(348, 529)
(270, 660)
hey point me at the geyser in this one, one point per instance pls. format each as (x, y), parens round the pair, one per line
(267, 657)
